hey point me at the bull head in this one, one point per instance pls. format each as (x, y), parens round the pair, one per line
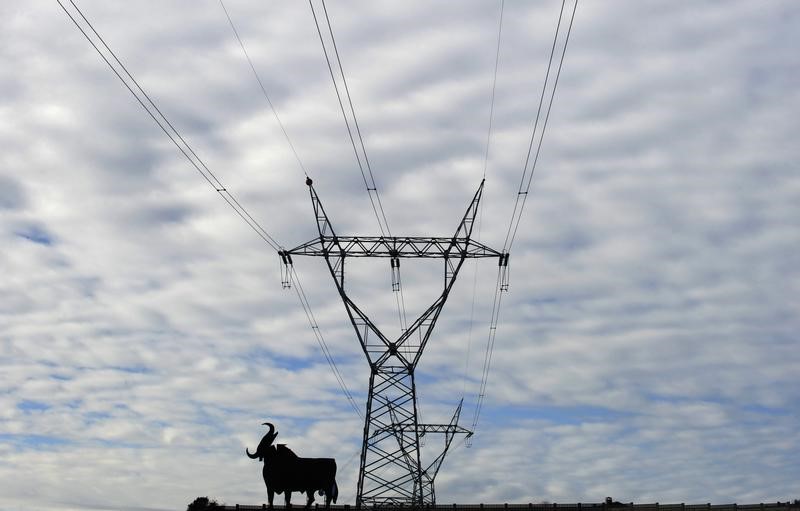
(263, 446)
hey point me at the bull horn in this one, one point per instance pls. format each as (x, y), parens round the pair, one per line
(271, 434)
(251, 456)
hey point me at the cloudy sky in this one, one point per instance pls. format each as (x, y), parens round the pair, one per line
(648, 345)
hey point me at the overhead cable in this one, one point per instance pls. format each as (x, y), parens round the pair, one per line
(494, 86)
(369, 182)
(301, 294)
(166, 126)
(487, 358)
(519, 204)
(263, 89)
(374, 187)
(527, 175)
(480, 211)
(368, 176)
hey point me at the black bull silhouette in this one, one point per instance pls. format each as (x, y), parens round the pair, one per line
(285, 472)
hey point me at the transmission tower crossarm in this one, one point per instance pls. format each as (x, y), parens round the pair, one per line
(458, 245)
(424, 429)
(450, 431)
(433, 247)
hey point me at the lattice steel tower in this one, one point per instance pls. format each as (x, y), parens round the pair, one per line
(391, 471)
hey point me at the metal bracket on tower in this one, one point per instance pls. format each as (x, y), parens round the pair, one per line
(286, 269)
(504, 276)
(395, 264)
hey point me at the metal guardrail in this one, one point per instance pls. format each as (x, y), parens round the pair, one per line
(771, 506)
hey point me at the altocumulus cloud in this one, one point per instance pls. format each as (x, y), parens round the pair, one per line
(648, 345)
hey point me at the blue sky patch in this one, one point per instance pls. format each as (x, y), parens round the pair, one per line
(283, 361)
(36, 235)
(133, 369)
(555, 414)
(32, 406)
(765, 410)
(32, 441)
(92, 417)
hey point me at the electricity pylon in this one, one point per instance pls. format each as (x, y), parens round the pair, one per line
(391, 471)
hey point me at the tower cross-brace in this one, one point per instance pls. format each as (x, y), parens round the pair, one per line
(391, 471)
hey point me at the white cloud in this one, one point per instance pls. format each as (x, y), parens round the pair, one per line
(648, 345)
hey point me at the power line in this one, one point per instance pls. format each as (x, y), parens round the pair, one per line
(173, 134)
(301, 295)
(480, 212)
(519, 205)
(166, 126)
(494, 86)
(487, 357)
(372, 188)
(527, 176)
(355, 120)
(263, 89)
(369, 182)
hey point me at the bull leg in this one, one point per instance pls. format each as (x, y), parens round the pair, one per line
(288, 498)
(310, 494)
(270, 496)
(333, 494)
(327, 500)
